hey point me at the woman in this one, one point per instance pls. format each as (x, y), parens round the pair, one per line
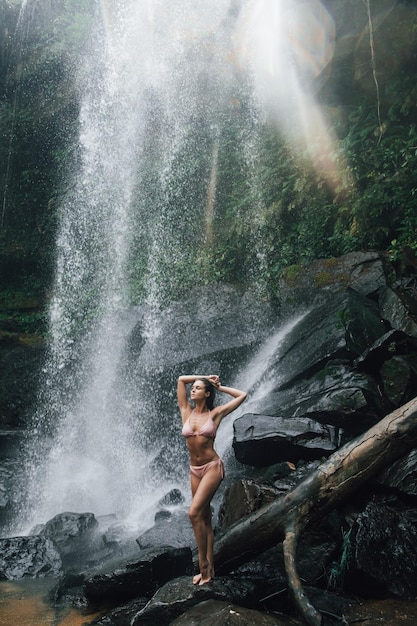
(206, 468)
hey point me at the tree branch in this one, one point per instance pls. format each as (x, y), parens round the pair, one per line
(306, 609)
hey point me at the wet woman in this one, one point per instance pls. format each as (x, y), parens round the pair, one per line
(200, 422)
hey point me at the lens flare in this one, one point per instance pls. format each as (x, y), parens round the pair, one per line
(286, 47)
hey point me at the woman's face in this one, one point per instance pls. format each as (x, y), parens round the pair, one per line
(198, 391)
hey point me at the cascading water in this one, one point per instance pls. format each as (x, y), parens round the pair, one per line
(257, 377)
(156, 83)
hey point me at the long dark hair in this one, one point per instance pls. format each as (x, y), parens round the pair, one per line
(212, 390)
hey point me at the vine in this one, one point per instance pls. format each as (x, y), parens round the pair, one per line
(373, 62)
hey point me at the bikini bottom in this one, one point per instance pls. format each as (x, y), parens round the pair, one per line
(200, 470)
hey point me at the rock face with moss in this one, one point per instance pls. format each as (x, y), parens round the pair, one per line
(347, 362)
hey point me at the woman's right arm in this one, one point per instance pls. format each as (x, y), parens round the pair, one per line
(182, 393)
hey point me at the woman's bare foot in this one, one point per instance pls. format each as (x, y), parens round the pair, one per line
(206, 574)
(196, 579)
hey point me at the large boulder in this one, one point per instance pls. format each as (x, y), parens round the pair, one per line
(261, 440)
(399, 309)
(219, 613)
(334, 374)
(317, 399)
(336, 395)
(74, 535)
(383, 553)
(180, 595)
(120, 581)
(339, 330)
(28, 557)
(171, 528)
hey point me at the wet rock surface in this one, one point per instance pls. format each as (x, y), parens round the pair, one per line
(74, 536)
(179, 595)
(383, 552)
(374, 612)
(172, 528)
(23, 557)
(141, 576)
(260, 440)
(349, 361)
(218, 613)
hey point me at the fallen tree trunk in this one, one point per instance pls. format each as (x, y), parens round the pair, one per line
(330, 484)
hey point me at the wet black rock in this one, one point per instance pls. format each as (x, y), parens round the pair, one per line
(262, 440)
(242, 497)
(398, 308)
(28, 557)
(219, 613)
(121, 615)
(383, 553)
(401, 477)
(74, 536)
(121, 581)
(172, 498)
(179, 595)
(339, 330)
(171, 528)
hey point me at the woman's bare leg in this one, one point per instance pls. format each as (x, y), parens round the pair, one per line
(210, 541)
(210, 546)
(200, 515)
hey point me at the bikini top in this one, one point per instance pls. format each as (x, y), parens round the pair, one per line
(208, 429)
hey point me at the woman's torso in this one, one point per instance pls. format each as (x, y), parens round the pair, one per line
(199, 429)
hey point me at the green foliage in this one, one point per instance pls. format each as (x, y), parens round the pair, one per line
(274, 208)
(21, 312)
(291, 273)
(338, 571)
(38, 122)
(383, 205)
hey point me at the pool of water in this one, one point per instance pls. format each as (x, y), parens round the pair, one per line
(25, 603)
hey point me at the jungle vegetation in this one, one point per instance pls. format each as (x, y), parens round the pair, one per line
(298, 215)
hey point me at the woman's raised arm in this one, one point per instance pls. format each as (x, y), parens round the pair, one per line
(238, 397)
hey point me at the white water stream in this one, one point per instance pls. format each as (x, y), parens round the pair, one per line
(155, 72)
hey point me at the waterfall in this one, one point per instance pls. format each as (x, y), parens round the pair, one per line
(256, 376)
(140, 90)
(158, 81)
